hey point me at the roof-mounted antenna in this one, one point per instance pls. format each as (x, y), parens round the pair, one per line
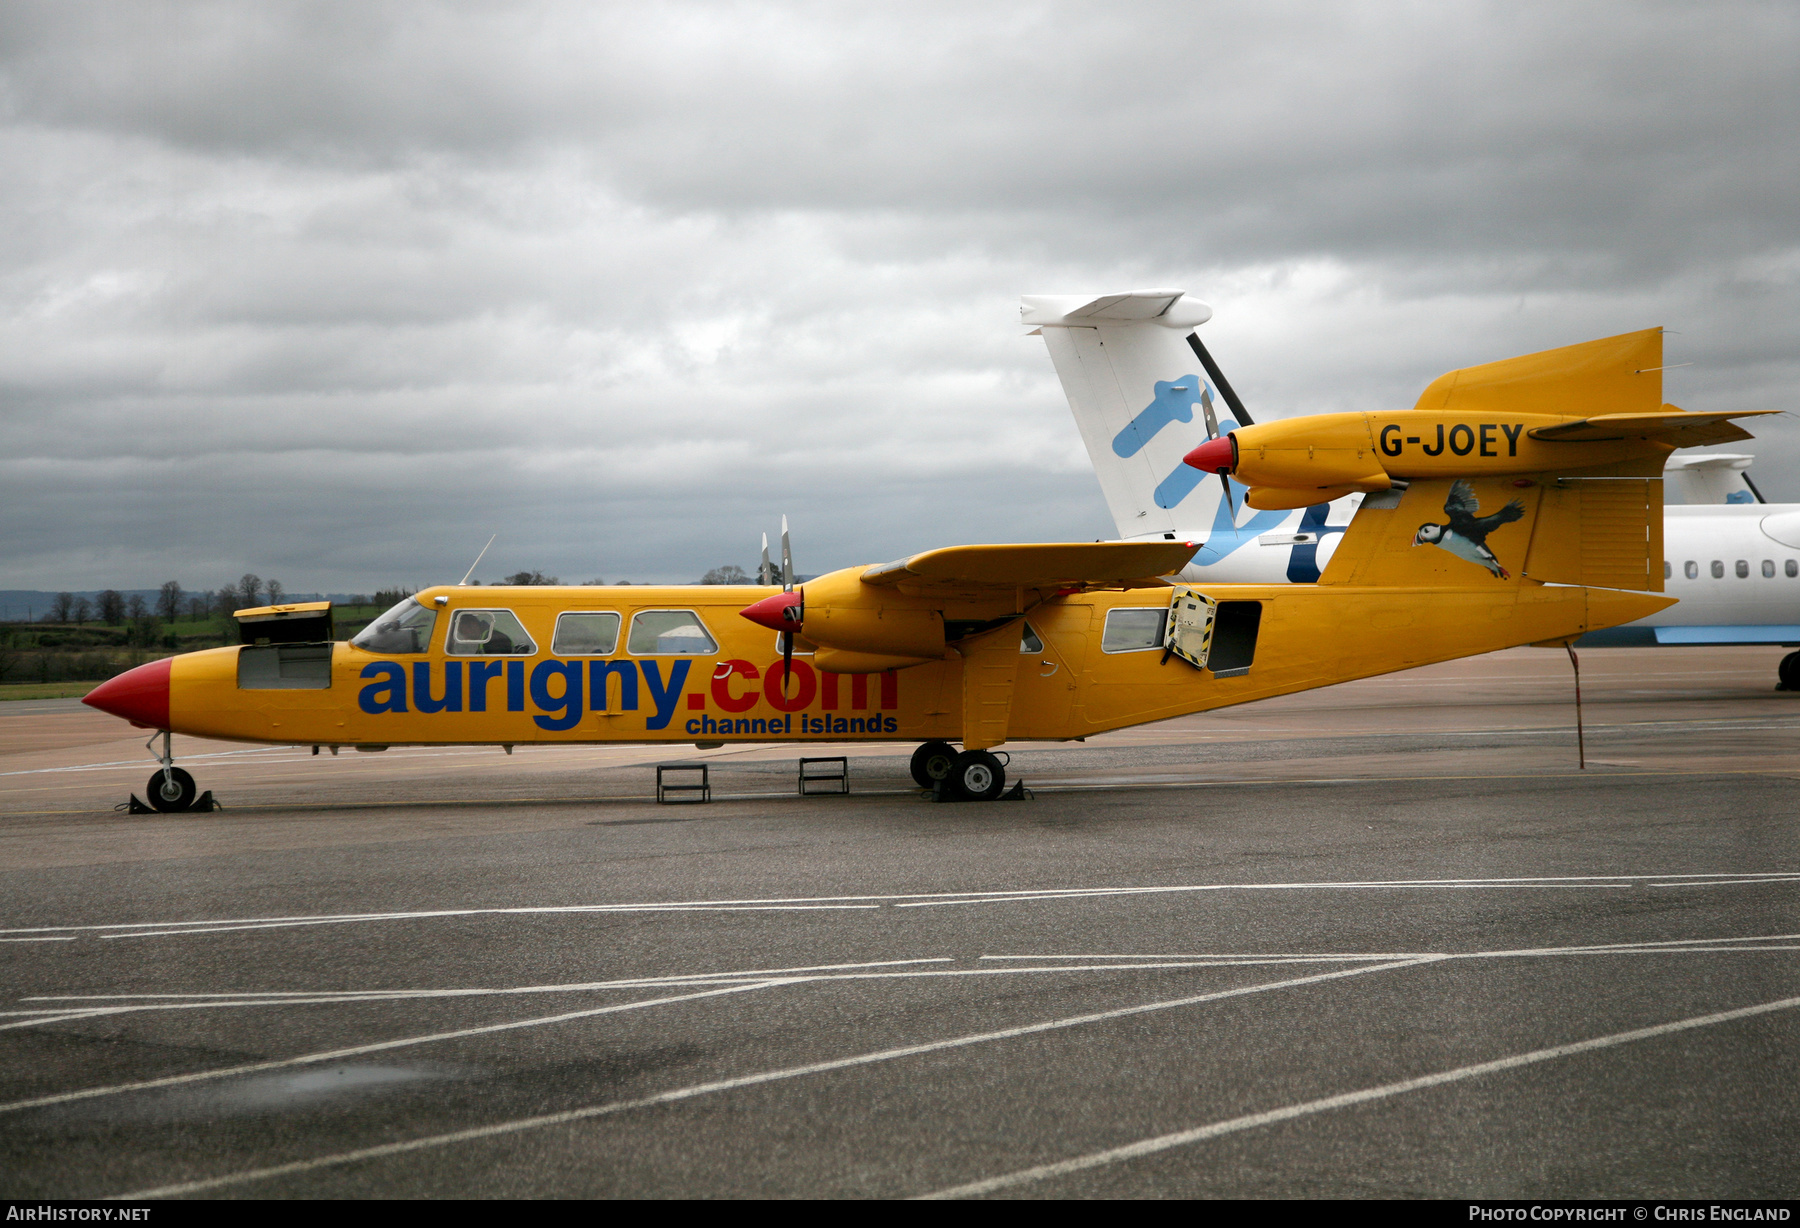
(472, 566)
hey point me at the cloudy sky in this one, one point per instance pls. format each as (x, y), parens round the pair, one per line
(334, 292)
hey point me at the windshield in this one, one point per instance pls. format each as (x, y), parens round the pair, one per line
(405, 628)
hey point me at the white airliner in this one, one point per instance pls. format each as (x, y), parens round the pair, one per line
(1143, 389)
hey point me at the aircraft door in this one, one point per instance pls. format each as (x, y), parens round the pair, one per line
(1050, 656)
(1191, 626)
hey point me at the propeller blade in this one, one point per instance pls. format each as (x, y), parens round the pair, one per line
(766, 573)
(1225, 479)
(787, 559)
(795, 613)
(1206, 408)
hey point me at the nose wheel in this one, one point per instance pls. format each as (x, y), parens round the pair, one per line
(170, 789)
(1789, 672)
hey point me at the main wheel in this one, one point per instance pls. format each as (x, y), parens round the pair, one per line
(977, 776)
(176, 792)
(931, 763)
(1789, 672)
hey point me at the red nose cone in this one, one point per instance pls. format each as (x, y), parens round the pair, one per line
(771, 612)
(1214, 455)
(139, 695)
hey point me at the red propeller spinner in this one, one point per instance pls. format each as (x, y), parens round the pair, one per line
(1215, 455)
(782, 612)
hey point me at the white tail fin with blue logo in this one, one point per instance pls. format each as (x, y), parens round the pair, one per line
(1145, 392)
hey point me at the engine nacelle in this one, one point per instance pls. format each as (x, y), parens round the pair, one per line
(855, 628)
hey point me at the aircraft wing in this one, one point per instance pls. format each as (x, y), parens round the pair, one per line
(1045, 565)
(1683, 429)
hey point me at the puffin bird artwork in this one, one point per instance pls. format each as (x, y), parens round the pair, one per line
(1466, 534)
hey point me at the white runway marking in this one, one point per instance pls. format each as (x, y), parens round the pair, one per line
(292, 997)
(909, 900)
(1251, 1121)
(140, 763)
(722, 1085)
(57, 1014)
(332, 1055)
(120, 1004)
(1666, 946)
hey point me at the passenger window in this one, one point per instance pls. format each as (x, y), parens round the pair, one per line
(1668, 569)
(1133, 630)
(1743, 570)
(1718, 570)
(488, 633)
(586, 635)
(1768, 569)
(404, 629)
(1691, 570)
(669, 633)
(1792, 569)
(1029, 641)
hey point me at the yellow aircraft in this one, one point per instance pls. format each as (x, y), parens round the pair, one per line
(1579, 409)
(972, 644)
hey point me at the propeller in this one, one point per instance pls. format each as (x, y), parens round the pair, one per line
(793, 613)
(766, 573)
(1212, 432)
(784, 612)
(1217, 455)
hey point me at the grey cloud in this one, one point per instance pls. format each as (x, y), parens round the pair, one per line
(321, 290)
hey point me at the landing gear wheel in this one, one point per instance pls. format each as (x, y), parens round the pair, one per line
(1789, 672)
(977, 776)
(931, 763)
(172, 794)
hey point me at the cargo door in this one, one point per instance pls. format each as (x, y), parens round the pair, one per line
(1190, 632)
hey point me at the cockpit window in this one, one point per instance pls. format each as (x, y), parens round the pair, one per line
(403, 629)
(669, 632)
(488, 633)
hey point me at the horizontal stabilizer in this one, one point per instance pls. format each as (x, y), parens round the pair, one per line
(1169, 308)
(1678, 427)
(1045, 565)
